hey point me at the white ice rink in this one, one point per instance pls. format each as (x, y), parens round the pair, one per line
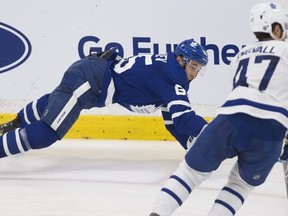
(109, 178)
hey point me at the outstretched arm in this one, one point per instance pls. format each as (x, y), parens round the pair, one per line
(186, 141)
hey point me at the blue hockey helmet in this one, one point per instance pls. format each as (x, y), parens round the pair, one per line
(191, 50)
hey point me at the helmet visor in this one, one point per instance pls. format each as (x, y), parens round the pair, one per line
(196, 67)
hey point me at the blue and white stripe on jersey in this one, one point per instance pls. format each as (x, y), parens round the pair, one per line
(250, 101)
(187, 107)
(260, 78)
(166, 116)
(186, 130)
(110, 92)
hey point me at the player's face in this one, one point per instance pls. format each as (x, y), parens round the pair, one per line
(192, 69)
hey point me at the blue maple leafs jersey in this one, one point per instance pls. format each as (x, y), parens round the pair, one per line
(260, 82)
(144, 83)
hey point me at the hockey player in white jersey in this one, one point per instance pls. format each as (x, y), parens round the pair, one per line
(250, 125)
(142, 83)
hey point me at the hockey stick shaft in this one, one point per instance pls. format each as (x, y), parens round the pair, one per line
(285, 169)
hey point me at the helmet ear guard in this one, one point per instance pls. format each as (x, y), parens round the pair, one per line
(264, 15)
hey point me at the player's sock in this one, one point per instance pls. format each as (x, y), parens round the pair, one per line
(33, 111)
(34, 136)
(177, 189)
(232, 196)
(11, 143)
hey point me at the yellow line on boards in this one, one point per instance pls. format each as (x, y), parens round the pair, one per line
(115, 127)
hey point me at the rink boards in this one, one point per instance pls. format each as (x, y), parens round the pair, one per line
(115, 127)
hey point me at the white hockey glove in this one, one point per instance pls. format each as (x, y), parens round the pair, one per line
(284, 156)
(190, 142)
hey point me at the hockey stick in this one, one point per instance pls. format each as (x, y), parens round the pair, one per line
(285, 169)
(284, 160)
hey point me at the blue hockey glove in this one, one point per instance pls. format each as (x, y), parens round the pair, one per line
(284, 156)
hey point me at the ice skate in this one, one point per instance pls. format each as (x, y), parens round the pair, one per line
(8, 126)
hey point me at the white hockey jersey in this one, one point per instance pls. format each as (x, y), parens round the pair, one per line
(260, 82)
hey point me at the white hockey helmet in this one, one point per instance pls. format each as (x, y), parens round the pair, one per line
(263, 15)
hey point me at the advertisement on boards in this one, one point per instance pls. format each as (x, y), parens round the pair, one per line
(45, 38)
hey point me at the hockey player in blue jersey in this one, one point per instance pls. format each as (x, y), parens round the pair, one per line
(250, 125)
(142, 83)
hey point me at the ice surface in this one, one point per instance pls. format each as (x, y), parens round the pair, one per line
(115, 177)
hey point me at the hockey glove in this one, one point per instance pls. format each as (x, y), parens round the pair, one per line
(284, 156)
(190, 142)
